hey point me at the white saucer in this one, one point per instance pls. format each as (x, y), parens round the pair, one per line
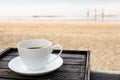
(17, 66)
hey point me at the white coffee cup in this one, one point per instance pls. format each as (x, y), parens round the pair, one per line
(35, 59)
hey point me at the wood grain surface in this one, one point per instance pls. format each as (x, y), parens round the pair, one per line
(75, 66)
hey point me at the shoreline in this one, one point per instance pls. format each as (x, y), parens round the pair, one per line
(59, 22)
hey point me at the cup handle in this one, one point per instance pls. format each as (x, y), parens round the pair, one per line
(56, 47)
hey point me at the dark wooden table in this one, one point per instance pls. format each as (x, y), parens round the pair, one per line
(103, 76)
(75, 67)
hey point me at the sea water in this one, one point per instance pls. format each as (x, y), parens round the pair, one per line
(109, 16)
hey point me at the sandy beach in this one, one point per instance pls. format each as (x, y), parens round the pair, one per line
(102, 39)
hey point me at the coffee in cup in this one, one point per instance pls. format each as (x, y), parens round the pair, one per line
(36, 53)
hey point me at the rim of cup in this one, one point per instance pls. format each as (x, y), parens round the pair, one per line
(20, 43)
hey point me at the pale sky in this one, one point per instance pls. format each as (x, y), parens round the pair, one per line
(44, 7)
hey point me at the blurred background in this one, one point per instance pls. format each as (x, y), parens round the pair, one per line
(75, 24)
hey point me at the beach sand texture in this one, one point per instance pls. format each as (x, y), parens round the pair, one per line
(102, 39)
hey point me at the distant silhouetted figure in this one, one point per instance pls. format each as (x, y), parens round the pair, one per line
(88, 13)
(95, 13)
(102, 14)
